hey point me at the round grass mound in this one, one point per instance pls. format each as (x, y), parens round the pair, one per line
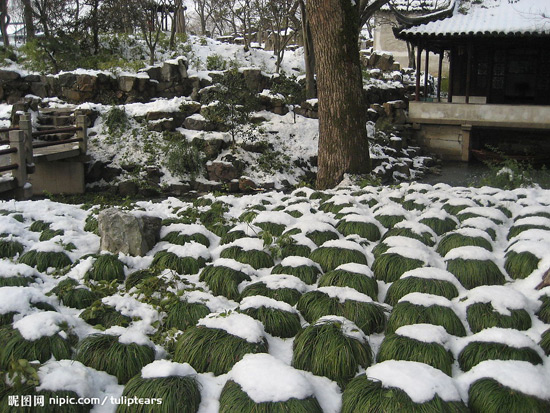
(232, 236)
(417, 308)
(136, 277)
(411, 284)
(439, 225)
(483, 315)
(216, 350)
(42, 260)
(295, 249)
(72, 294)
(182, 314)
(178, 392)
(104, 315)
(543, 313)
(10, 248)
(332, 254)
(320, 237)
(15, 281)
(364, 394)
(545, 342)
(487, 395)
(279, 319)
(223, 280)
(399, 346)
(260, 383)
(39, 226)
(427, 237)
(182, 265)
(389, 266)
(254, 257)
(107, 267)
(518, 228)
(280, 287)
(106, 353)
(477, 351)
(476, 271)
(520, 265)
(345, 302)
(332, 347)
(459, 239)
(367, 230)
(175, 237)
(360, 279)
(42, 349)
(300, 267)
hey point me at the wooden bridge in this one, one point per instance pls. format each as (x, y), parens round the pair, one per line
(37, 165)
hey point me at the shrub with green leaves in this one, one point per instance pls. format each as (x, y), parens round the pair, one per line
(183, 159)
(42, 260)
(343, 277)
(520, 265)
(406, 285)
(335, 253)
(370, 395)
(107, 267)
(177, 392)
(104, 315)
(332, 347)
(106, 353)
(135, 278)
(477, 351)
(223, 280)
(487, 395)
(345, 302)
(10, 248)
(483, 315)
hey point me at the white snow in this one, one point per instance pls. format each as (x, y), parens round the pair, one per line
(427, 333)
(426, 300)
(503, 298)
(166, 368)
(236, 324)
(257, 301)
(348, 328)
(345, 293)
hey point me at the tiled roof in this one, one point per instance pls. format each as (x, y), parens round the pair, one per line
(417, 5)
(489, 17)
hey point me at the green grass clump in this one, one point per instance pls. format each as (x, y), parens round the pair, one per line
(343, 278)
(325, 350)
(135, 278)
(223, 280)
(213, 350)
(545, 342)
(182, 239)
(456, 240)
(39, 226)
(107, 267)
(288, 295)
(389, 267)
(368, 316)
(277, 322)
(329, 258)
(271, 227)
(234, 400)
(482, 315)
(73, 296)
(91, 225)
(405, 313)
(365, 395)
(104, 352)
(320, 237)
(48, 234)
(182, 265)
(232, 236)
(15, 281)
(366, 230)
(478, 351)
(519, 265)
(104, 315)
(10, 248)
(489, 396)
(6, 318)
(255, 258)
(406, 285)
(424, 237)
(389, 221)
(475, 273)
(42, 349)
(182, 315)
(306, 273)
(42, 260)
(328, 206)
(397, 347)
(292, 249)
(543, 313)
(515, 230)
(438, 225)
(178, 394)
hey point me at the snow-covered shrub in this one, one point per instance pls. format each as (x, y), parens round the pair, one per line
(332, 254)
(477, 351)
(462, 239)
(439, 225)
(43, 260)
(256, 258)
(473, 267)
(366, 230)
(417, 308)
(219, 341)
(281, 287)
(181, 314)
(411, 284)
(301, 267)
(333, 347)
(39, 226)
(543, 313)
(279, 319)
(426, 237)
(10, 248)
(390, 266)
(223, 280)
(483, 315)
(73, 295)
(104, 315)
(175, 237)
(332, 206)
(353, 277)
(107, 267)
(183, 159)
(107, 353)
(137, 277)
(520, 264)
(182, 265)
(320, 237)
(545, 342)
(15, 281)
(345, 302)
(231, 236)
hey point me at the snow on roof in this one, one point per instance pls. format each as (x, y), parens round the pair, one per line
(491, 17)
(417, 5)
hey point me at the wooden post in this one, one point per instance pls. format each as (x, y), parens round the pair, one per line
(426, 73)
(418, 64)
(439, 72)
(466, 133)
(469, 72)
(451, 74)
(82, 122)
(25, 124)
(17, 141)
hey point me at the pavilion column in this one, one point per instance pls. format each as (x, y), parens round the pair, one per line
(418, 64)
(469, 72)
(426, 73)
(439, 72)
(451, 76)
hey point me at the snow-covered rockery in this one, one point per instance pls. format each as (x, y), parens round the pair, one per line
(355, 299)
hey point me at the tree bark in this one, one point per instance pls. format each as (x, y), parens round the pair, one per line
(309, 56)
(343, 144)
(28, 17)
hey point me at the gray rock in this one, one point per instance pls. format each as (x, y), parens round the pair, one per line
(125, 232)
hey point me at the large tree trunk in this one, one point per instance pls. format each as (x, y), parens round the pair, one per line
(309, 56)
(28, 17)
(343, 144)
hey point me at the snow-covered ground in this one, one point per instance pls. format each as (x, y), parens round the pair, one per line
(271, 378)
